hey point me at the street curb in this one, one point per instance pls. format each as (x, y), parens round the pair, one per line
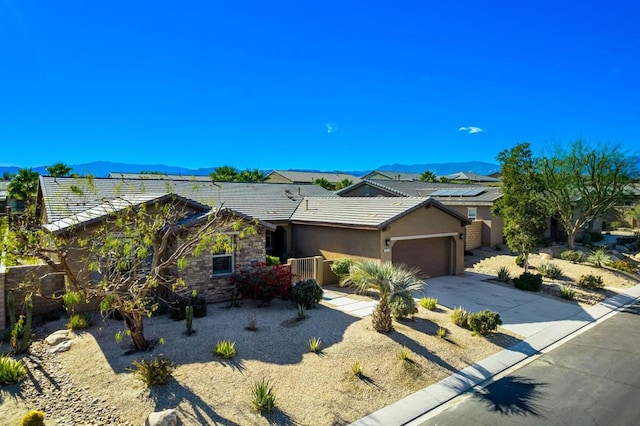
(425, 400)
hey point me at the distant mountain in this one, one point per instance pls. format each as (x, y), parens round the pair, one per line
(103, 168)
(440, 169)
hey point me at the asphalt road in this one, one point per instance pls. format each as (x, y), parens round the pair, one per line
(593, 379)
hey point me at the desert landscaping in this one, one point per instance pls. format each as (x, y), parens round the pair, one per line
(92, 382)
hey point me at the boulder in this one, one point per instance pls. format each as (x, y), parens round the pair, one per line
(622, 249)
(162, 418)
(57, 337)
(61, 347)
(546, 253)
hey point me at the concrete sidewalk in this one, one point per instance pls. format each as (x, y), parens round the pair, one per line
(542, 321)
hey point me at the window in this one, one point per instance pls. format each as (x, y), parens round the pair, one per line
(472, 213)
(222, 264)
(269, 240)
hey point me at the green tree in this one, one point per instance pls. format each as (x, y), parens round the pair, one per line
(224, 174)
(127, 259)
(389, 280)
(343, 183)
(253, 175)
(7, 176)
(59, 170)
(323, 182)
(428, 176)
(581, 183)
(23, 185)
(521, 205)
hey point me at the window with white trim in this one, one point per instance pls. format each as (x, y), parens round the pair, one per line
(222, 264)
(472, 213)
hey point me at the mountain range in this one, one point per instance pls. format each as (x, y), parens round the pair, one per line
(103, 168)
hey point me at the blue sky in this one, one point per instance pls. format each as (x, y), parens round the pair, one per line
(322, 85)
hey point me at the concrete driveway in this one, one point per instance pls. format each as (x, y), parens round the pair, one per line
(522, 312)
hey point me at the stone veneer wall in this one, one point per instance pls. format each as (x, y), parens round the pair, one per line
(50, 282)
(473, 237)
(198, 274)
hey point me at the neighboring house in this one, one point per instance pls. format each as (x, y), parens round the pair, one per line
(293, 177)
(418, 232)
(621, 215)
(468, 177)
(385, 175)
(474, 202)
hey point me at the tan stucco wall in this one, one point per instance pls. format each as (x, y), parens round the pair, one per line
(335, 243)
(277, 178)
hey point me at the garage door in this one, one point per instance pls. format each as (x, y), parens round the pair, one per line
(431, 255)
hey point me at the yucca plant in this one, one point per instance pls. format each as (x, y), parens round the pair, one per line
(314, 344)
(264, 399)
(389, 280)
(503, 274)
(153, 372)
(225, 349)
(567, 292)
(599, 257)
(459, 316)
(550, 270)
(404, 354)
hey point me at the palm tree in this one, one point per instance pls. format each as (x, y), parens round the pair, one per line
(255, 175)
(344, 183)
(224, 174)
(428, 176)
(324, 183)
(59, 170)
(389, 280)
(23, 185)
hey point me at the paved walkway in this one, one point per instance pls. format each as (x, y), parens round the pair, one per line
(542, 321)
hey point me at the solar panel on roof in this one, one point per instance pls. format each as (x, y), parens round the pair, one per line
(467, 192)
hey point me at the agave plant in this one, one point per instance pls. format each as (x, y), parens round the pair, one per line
(389, 280)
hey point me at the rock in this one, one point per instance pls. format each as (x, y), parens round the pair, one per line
(162, 418)
(61, 347)
(546, 253)
(57, 337)
(622, 249)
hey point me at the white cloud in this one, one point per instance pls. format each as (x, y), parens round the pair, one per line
(471, 129)
(331, 128)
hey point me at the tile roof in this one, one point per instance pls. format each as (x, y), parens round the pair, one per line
(426, 189)
(309, 177)
(364, 212)
(64, 197)
(474, 177)
(397, 176)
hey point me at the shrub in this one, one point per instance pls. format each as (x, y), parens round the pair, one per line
(314, 344)
(599, 257)
(177, 304)
(503, 274)
(442, 332)
(153, 372)
(528, 282)
(252, 324)
(567, 292)
(33, 418)
(590, 281)
(340, 267)
(484, 322)
(550, 270)
(225, 349)
(71, 299)
(402, 305)
(79, 322)
(459, 316)
(273, 260)
(306, 293)
(572, 256)
(11, 370)
(356, 369)
(264, 399)
(623, 265)
(429, 303)
(615, 225)
(262, 282)
(301, 312)
(404, 355)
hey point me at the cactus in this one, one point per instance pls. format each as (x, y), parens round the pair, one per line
(188, 312)
(26, 337)
(12, 310)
